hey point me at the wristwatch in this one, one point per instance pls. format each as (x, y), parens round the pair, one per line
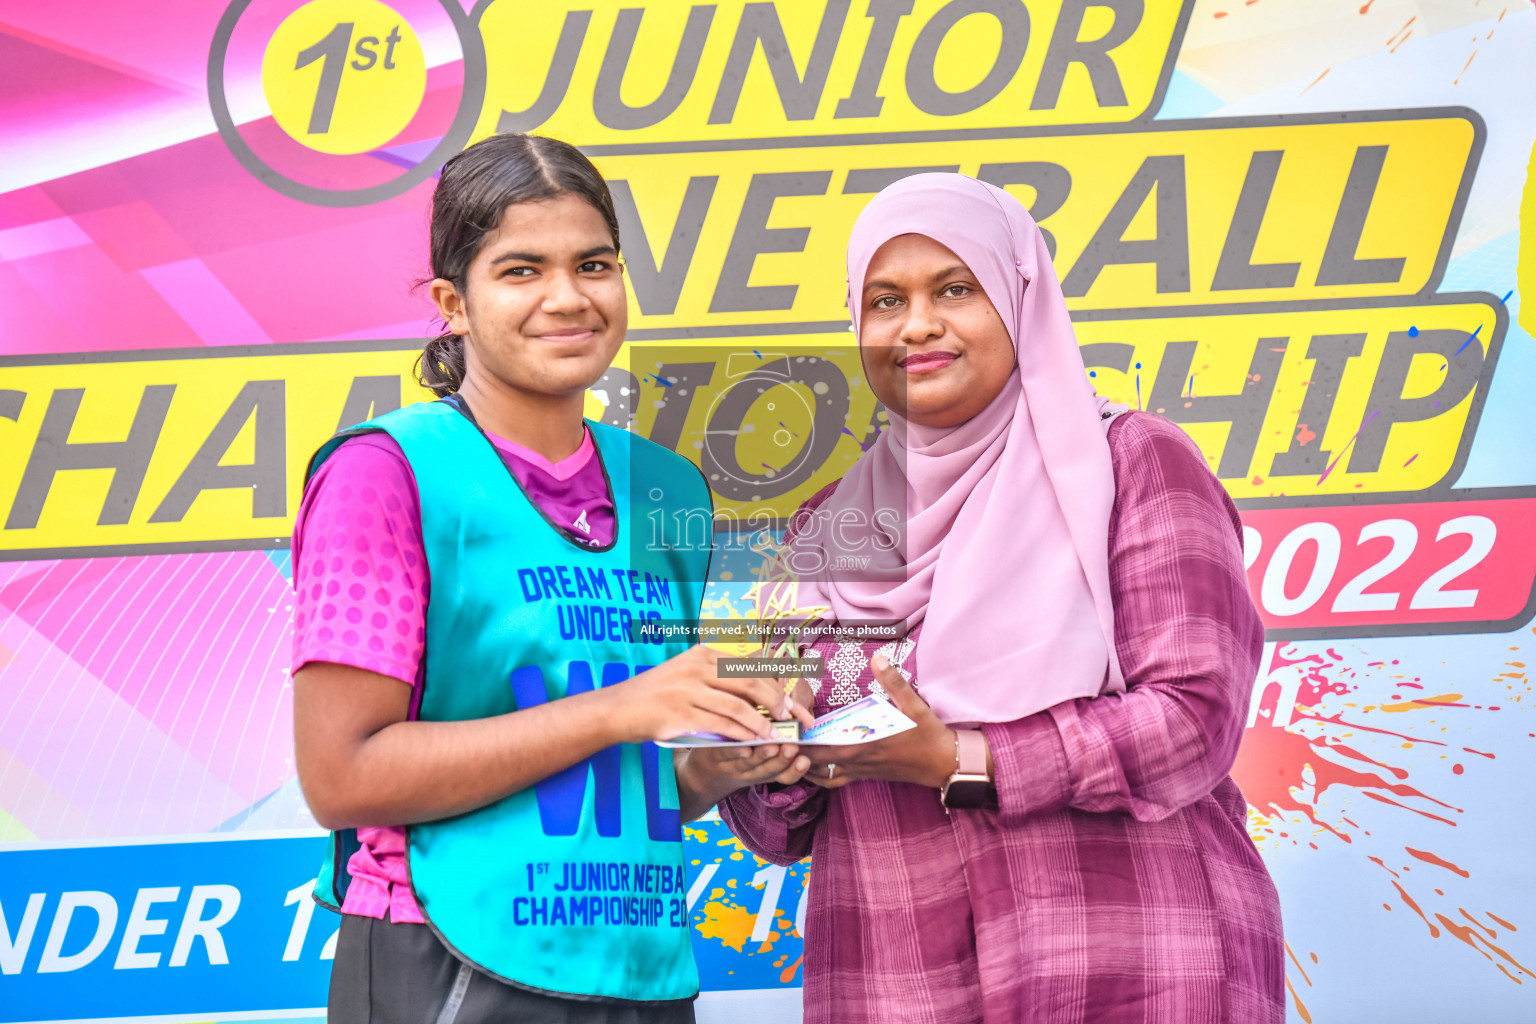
(970, 787)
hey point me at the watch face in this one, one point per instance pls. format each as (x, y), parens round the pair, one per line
(969, 794)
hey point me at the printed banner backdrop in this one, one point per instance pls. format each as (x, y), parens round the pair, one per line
(1295, 228)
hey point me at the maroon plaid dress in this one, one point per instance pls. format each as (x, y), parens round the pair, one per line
(1116, 882)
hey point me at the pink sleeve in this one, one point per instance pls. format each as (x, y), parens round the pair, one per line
(359, 570)
(778, 823)
(1189, 640)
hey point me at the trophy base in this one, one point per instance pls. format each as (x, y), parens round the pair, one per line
(786, 732)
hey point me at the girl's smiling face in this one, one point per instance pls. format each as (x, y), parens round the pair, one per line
(934, 348)
(543, 304)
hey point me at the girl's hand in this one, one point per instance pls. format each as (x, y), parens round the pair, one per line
(925, 755)
(686, 694)
(707, 775)
(724, 770)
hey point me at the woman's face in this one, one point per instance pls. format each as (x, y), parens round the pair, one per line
(543, 306)
(935, 351)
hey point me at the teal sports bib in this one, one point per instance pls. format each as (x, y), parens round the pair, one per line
(576, 885)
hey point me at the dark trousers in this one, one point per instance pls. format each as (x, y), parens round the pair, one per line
(389, 973)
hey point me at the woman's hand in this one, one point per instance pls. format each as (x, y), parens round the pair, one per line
(924, 755)
(686, 694)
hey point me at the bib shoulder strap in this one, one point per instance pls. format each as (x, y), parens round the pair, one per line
(629, 457)
(428, 422)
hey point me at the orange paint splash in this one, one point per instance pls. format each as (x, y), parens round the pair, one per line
(1439, 700)
(1397, 773)
(1464, 67)
(1430, 858)
(1292, 954)
(1472, 939)
(788, 974)
(1303, 92)
(1463, 933)
(1314, 684)
(1338, 719)
(1301, 1007)
(1270, 764)
(1303, 435)
(1415, 810)
(1500, 921)
(1483, 753)
(1491, 933)
(1268, 768)
(1283, 771)
(731, 925)
(1434, 932)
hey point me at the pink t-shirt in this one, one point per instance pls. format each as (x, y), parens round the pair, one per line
(361, 587)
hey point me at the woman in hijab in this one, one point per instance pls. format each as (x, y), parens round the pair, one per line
(1058, 840)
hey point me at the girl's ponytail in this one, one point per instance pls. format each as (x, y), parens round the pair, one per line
(440, 367)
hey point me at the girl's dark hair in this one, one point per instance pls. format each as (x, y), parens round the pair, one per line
(475, 188)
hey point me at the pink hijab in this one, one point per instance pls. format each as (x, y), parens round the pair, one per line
(1001, 551)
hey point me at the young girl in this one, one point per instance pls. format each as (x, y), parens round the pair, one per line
(448, 726)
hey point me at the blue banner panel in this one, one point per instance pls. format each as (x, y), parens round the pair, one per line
(227, 926)
(163, 928)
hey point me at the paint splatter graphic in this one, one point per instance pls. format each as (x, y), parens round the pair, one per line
(745, 904)
(1347, 446)
(1333, 752)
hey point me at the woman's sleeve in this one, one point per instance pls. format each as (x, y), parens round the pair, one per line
(1189, 641)
(778, 823)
